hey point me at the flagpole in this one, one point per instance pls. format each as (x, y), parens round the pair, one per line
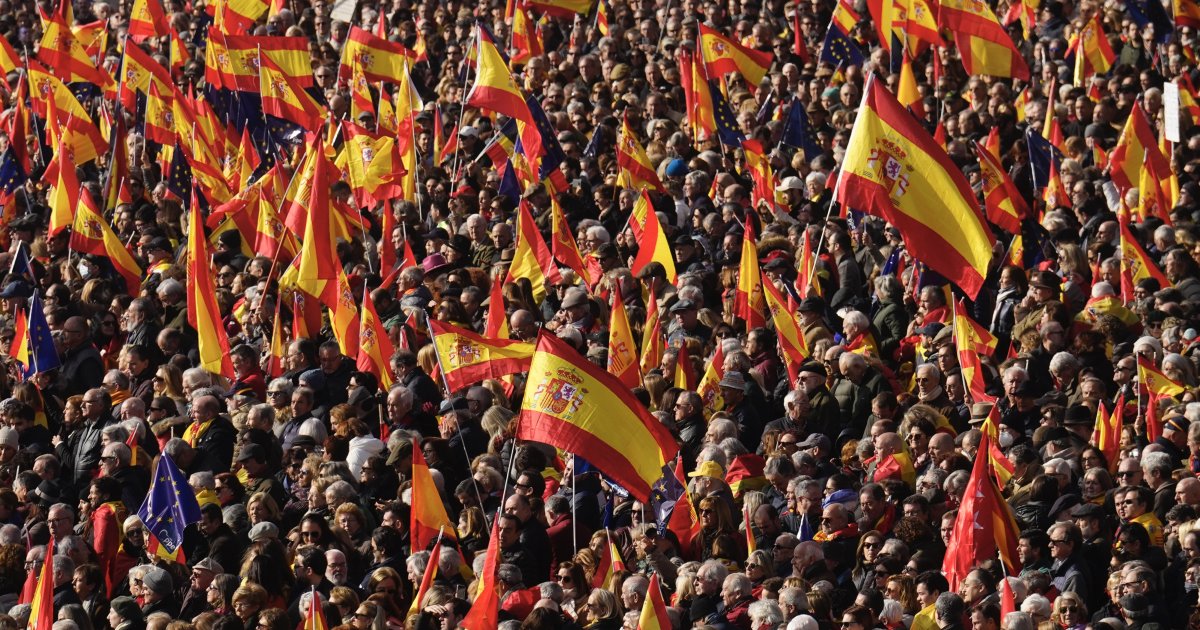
(442, 370)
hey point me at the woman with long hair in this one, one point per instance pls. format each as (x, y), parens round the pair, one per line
(576, 588)
(759, 567)
(715, 520)
(385, 589)
(168, 381)
(864, 558)
(472, 532)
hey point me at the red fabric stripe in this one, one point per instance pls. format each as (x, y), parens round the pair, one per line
(606, 457)
(500, 101)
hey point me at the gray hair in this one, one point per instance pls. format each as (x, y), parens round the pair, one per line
(714, 569)
(1018, 621)
(552, 591)
(202, 479)
(261, 411)
(765, 611)
(171, 288)
(890, 287)
(858, 318)
(509, 574)
(1157, 461)
(1063, 362)
(738, 582)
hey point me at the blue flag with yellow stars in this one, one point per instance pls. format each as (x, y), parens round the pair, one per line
(43, 356)
(170, 506)
(727, 125)
(664, 494)
(839, 50)
(798, 133)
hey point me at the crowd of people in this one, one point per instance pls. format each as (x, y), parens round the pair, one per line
(825, 492)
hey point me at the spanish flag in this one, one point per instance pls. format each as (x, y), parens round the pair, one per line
(709, 386)
(232, 61)
(526, 42)
(372, 162)
(285, 99)
(532, 259)
(146, 19)
(653, 246)
(654, 608)
(722, 55)
(635, 170)
(653, 345)
(972, 341)
(374, 346)
(485, 609)
(314, 619)
(64, 195)
(562, 243)
(622, 353)
(428, 512)
(1136, 265)
(1137, 143)
(41, 617)
(496, 91)
(159, 121)
(1003, 202)
(748, 295)
(1093, 55)
(894, 169)
(467, 357)
(318, 260)
(562, 8)
(791, 338)
(697, 98)
(379, 59)
(1187, 13)
(9, 60)
(1156, 385)
(685, 376)
(203, 314)
(985, 46)
(906, 89)
(1107, 436)
(90, 234)
(984, 525)
(62, 52)
(431, 569)
(138, 70)
(573, 405)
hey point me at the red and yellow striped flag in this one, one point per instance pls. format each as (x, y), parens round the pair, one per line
(748, 295)
(467, 357)
(636, 171)
(622, 353)
(1003, 202)
(429, 516)
(654, 608)
(203, 313)
(41, 617)
(722, 55)
(653, 246)
(985, 47)
(374, 345)
(653, 345)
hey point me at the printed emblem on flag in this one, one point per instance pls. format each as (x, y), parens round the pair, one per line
(560, 395)
(887, 169)
(464, 353)
(368, 153)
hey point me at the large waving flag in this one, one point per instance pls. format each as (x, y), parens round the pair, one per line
(138, 71)
(653, 246)
(375, 346)
(170, 506)
(495, 90)
(203, 313)
(373, 164)
(622, 353)
(562, 8)
(1136, 144)
(635, 170)
(1187, 13)
(722, 55)
(61, 51)
(1136, 265)
(895, 170)
(284, 98)
(787, 330)
(147, 19)
(1093, 55)
(91, 234)
(1004, 204)
(467, 357)
(984, 45)
(64, 196)
(377, 58)
(839, 49)
(984, 525)
(232, 61)
(577, 407)
(654, 609)
(696, 95)
(428, 513)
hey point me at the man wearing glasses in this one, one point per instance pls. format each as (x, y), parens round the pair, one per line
(1069, 573)
(1133, 506)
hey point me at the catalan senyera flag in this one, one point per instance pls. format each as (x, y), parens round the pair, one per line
(429, 513)
(653, 345)
(1136, 144)
(374, 346)
(984, 525)
(1136, 265)
(284, 98)
(1186, 12)
(91, 234)
(748, 295)
(1107, 435)
(722, 55)
(787, 330)
(532, 258)
(972, 340)
(895, 170)
(466, 357)
(622, 353)
(1093, 55)
(1004, 204)
(379, 59)
(562, 243)
(984, 45)
(203, 313)
(575, 406)
(147, 19)
(636, 171)
(709, 387)
(653, 246)
(654, 608)
(41, 617)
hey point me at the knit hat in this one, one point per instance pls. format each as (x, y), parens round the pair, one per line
(157, 580)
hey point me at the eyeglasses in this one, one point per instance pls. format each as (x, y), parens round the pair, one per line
(134, 530)
(563, 578)
(1056, 541)
(1069, 610)
(108, 458)
(706, 511)
(1128, 502)
(753, 565)
(870, 545)
(310, 534)
(359, 615)
(1126, 473)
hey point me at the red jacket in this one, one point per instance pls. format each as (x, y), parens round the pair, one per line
(106, 540)
(738, 615)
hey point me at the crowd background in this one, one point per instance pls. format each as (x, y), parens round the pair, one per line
(825, 491)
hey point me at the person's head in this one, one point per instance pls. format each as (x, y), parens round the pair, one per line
(857, 618)
(710, 578)
(949, 609)
(735, 588)
(977, 585)
(1064, 538)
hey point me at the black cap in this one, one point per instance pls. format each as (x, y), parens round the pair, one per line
(932, 329)
(252, 451)
(1087, 510)
(1065, 502)
(458, 403)
(1025, 390)
(812, 366)
(460, 244)
(683, 305)
(437, 233)
(158, 242)
(683, 239)
(811, 305)
(1078, 415)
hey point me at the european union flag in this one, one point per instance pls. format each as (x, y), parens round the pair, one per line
(798, 133)
(43, 356)
(179, 181)
(727, 127)
(1037, 245)
(839, 50)
(20, 262)
(509, 188)
(595, 143)
(1145, 12)
(1041, 154)
(664, 494)
(170, 506)
(11, 173)
(552, 152)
